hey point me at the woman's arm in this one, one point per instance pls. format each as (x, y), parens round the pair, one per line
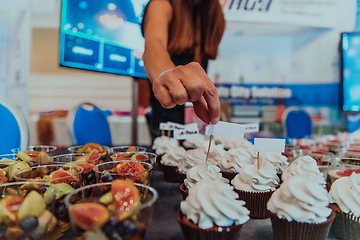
(182, 84)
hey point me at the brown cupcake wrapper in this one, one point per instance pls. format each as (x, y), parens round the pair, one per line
(285, 230)
(184, 191)
(189, 148)
(228, 175)
(181, 176)
(346, 226)
(192, 231)
(170, 174)
(256, 203)
(158, 159)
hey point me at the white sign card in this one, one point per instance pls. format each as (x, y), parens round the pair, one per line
(269, 145)
(191, 126)
(226, 129)
(172, 125)
(163, 126)
(252, 127)
(185, 134)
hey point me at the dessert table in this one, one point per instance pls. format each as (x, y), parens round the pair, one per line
(164, 225)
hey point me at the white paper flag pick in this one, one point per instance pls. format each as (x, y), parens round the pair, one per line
(252, 127)
(269, 145)
(185, 134)
(226, 129)
(172, 125)
(191, 126)
(163, 126)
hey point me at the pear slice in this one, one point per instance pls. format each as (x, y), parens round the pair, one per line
(33, 204)
(63, 189)
(16, 167)
(24, 157)
(107, 198)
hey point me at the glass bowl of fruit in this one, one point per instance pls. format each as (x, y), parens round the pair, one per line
(137, 172)
(64, 180)
(85, 161)
(36, 149)
(25, 213)
(122, 149)
(41, 155)
(91, 148)
(135, 156)
(325, 160)
(343, 170)
(115, 210)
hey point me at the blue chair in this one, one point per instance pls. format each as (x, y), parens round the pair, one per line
(88, 123)
(14, 131)
(296, 123)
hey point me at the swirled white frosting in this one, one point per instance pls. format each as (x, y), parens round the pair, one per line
(173, 157)
(230, 143)
(252, 179)
(302, 199)
(213, 203)
(235, 159)
(277, 159)
(302, 165)
(191, 158)
(163, 144)
(203, 171)
(345, 192)
(216, 153)
(194, 142)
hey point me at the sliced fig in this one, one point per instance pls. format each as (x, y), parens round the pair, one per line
(89, 216)
(122, 157)
(93, 157)
(126, 198)
(9, 207)
(88, 167)
(139, 157)
(61, 176)
(131, 149)
(89, 147)
(131, 170)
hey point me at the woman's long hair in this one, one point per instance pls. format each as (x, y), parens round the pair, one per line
(183, 27)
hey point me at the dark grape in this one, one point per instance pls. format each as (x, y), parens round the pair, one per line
(114, 236)
(90, 177)
(42, 189)
(33, 163)
(60, 209)
(29, 223)
(75, 184)
(107, 177)
(126, 227)
(109, 227)
(87, 192)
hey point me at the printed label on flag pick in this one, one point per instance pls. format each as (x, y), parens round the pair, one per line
(172, 125)
(252, 127)
(185, 134)
(226, 129)
(269, 145)
(163, 126)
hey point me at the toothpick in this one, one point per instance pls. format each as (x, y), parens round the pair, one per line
(162, 132)
(168, 133)
(178, 142)
(258, 160)
(207, 155)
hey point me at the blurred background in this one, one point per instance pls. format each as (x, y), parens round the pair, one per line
(274, 55)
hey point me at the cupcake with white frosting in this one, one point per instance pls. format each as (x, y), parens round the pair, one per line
(169, 163)
(299, 209)
(255, 187)
(162, 145)
(199, 172)
(193, 143)
(303, 165)
(345, 198)
(212, 211)
(230, 143)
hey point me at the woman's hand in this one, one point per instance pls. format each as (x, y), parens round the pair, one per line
(189, 83)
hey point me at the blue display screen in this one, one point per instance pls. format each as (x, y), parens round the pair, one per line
(103, 35)
(351, 71)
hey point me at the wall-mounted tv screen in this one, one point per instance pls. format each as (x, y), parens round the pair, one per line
(103, 35)
(350, 71)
